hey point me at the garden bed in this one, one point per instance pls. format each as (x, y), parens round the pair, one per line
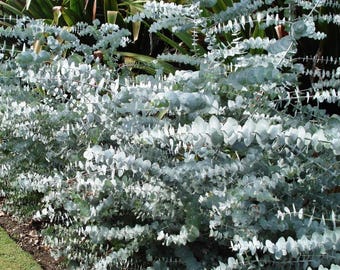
(27, 237)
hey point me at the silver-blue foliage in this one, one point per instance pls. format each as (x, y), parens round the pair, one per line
(208, 165)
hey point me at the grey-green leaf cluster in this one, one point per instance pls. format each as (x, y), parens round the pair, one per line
(222, 164)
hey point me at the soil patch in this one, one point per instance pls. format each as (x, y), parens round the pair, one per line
(28, 239)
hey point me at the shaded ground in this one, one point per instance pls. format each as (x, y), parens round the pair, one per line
(28, 239)
(12, 257)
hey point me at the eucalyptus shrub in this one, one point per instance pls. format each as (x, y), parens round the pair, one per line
(224, 166)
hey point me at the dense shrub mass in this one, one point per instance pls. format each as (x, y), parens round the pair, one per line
(226, 163)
